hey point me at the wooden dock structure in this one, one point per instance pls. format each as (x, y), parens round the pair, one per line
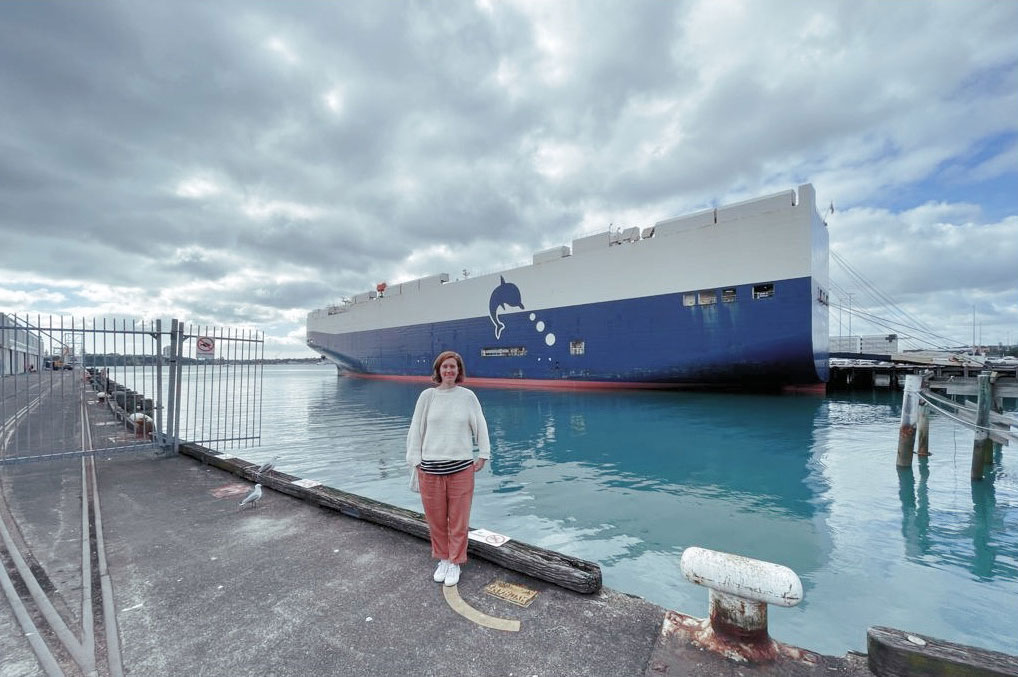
(890, 371)
(992, 428)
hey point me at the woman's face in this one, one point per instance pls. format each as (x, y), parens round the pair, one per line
(448, 370)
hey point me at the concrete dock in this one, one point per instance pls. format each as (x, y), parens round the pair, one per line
(167, 575)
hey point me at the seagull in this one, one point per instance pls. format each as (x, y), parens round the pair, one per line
(252, 497)
(267, 466)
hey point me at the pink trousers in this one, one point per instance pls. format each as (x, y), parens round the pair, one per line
(446, 500)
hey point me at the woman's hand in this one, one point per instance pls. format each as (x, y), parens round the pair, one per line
(478, 464)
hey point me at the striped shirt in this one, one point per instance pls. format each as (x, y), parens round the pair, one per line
(444, 467)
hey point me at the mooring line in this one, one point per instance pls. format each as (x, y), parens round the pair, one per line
(970, 424)
(456, 603)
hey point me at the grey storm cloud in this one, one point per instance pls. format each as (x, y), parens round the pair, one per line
(287, 155)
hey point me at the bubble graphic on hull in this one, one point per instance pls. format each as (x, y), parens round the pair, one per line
(539, 325)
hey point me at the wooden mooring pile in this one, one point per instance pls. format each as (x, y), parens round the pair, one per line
(992, 428)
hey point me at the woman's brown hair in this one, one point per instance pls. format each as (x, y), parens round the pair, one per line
(442, 357)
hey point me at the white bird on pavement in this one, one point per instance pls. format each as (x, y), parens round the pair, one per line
(252, 497)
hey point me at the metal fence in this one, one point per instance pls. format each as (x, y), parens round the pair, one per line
(74, 386)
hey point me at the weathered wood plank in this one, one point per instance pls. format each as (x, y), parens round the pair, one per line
(1000, 424)
(1004, 387)
(969, 409)
(546, 565)
(892, 654)
(923, 430)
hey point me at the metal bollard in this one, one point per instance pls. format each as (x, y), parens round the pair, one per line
(740, 590)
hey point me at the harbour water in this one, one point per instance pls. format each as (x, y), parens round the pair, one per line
(629, 479)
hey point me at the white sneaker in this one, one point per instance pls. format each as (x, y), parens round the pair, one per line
(452, 577)
(442, 571)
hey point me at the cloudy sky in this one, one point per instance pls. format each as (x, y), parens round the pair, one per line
(240, 163)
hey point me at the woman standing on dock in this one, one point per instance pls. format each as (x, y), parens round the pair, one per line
(440, 445)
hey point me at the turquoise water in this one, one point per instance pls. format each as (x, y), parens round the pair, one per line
(630, 479)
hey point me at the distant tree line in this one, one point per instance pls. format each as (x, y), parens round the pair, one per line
(117, 360)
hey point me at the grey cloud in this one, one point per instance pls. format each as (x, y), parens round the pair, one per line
(199, 268)
(109, 106)
(281, 295)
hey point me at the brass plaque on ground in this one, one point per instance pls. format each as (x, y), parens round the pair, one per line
(511, 592)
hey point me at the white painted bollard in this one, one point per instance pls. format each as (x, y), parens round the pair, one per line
(740, 590)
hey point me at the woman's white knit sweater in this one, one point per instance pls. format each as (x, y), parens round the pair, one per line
(454, 423)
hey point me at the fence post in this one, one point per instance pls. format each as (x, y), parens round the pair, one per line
(923, 442)
(982, 445)
(178, 368)
(909, 414)
(171, 402)
(158, 401)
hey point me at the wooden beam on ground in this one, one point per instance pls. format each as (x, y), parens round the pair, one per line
(894, 653)
(546, 565)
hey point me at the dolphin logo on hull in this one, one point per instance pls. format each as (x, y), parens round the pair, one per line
(505, 295)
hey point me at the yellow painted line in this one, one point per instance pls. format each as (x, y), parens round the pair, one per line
(452, 597)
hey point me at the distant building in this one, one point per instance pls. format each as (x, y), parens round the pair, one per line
(20, 347)
(845, 344)
(879, 344)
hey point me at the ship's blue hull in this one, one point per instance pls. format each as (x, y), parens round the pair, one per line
(655, 340)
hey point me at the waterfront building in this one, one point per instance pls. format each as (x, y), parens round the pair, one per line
(20, 346)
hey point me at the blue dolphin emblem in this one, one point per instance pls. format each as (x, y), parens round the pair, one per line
(505, 295)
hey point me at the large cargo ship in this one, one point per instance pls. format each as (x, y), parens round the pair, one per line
(729, 297)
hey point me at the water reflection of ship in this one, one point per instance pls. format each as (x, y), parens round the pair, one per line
(967, 539)
(657, 470)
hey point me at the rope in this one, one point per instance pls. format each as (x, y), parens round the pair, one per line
(963, 421)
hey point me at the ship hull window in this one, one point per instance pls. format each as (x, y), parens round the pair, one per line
(707, 297)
